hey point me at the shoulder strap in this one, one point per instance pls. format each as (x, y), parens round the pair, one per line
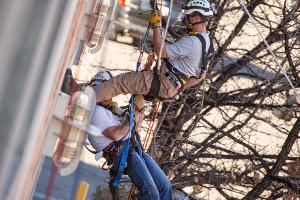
(203, 44)
(206, 56)
(90, 150)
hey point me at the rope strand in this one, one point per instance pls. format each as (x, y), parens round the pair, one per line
(165, 33)
(267, 45)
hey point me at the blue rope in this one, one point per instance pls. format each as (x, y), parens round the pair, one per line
(123, 161)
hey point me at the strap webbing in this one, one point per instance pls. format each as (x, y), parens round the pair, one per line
(155, 84)
(206, 55)
(203, 44)
(90, 150)
(123, 161)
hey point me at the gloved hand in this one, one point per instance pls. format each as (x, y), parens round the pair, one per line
(154, 19)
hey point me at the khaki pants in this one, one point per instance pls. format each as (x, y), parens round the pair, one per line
(136, 83)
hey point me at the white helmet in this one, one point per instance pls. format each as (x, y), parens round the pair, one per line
(100, 77)
(201, 6)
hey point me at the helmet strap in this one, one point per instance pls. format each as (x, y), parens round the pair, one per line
(193, 24)
(190, 25)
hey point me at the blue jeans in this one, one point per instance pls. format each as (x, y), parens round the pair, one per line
(147, 176)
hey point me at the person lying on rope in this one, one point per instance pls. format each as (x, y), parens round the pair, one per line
(114, 128)
(184, 62)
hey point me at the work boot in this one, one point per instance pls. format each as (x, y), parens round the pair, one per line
(67, 82)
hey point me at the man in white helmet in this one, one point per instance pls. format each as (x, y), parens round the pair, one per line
(184, 62)
(113, 127)
(187, 58)
(115, 116)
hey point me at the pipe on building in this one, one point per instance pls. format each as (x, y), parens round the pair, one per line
(104, 11)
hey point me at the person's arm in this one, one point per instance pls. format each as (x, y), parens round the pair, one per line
(157, 42)
(116, 133)
(154, 20)
(193, 81)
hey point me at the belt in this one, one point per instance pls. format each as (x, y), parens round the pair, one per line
(175, 72)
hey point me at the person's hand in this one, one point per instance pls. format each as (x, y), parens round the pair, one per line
(139, 103)
(138, 120)
(154, 19)
(139, 107)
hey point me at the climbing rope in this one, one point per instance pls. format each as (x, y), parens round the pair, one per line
(267, 45)
(151, 124)
(148, 65)
(158, 127)
(165, 32)
(123, 161)
(147, 138)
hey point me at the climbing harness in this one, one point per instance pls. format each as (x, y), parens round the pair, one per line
(114, 146)
(175, 73)
(110, 154)
(155, 84)
(177, 77)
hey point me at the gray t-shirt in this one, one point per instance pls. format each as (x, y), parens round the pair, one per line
(186, 54)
